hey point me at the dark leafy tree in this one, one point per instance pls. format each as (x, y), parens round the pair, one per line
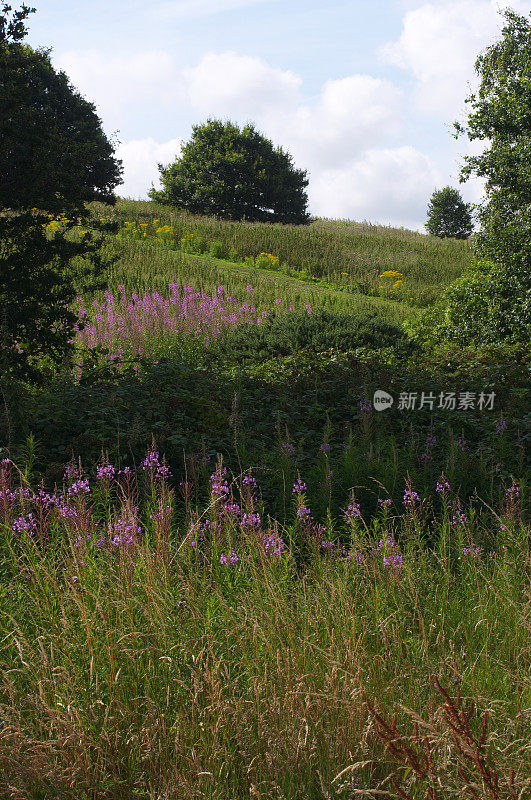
(235, 174)
(449, 215)
(54, 158)
(493, 301)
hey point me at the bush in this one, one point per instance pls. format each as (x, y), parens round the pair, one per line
(489, 304)
(218, 250)
(284, 334)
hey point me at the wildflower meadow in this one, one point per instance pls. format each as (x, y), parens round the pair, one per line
(225, 572)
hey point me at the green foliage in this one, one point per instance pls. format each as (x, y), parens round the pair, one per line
(449, 215)
(54, 157)
(40, 277)
(493, 302)
(234, 174)
(241, 410)
(285, 334)
(489, 304)
(217, 250)
(501, 115)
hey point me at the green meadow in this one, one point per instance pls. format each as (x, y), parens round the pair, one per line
(225, 573)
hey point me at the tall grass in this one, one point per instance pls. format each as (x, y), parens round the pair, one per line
(342, 253)
(147, 654)
(145, 267)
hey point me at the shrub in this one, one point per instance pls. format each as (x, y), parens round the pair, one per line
(218, 250)
(283, 334)
(489, 304)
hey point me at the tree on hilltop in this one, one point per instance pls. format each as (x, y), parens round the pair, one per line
(449, 215)
(234, 174)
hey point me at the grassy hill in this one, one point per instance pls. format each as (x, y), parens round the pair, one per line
(346, 255)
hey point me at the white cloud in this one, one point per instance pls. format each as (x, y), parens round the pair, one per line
(350, 115)
(140, 159)
(439, 44)
(121, 85)
(384, 185)
(232, 85)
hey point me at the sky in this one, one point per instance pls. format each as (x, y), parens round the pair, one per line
(362, 93)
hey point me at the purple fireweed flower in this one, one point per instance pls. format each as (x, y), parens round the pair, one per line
(385, 503)
(410, 497)
(459, 518)
(251, 519)
(299, 487)
(462, 445)
(124, 531)
(71, 471)
(352, 511)
(501, 425)
(513, 492)
(218, 483)
(65, 512)
(163, 472)
(232, 509)
(324, 447)
(230, 559)
(105, 472)
(395, 560)
(442, 485)
(472, 551)
(44, 500)
(249, 287)
(390, 552)
(286, 448)
(151, 461)
(249, 482)
(308, 308)
(304, 513)
(273, 544)
(365, 408)
(79, 488)
(25, 524)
